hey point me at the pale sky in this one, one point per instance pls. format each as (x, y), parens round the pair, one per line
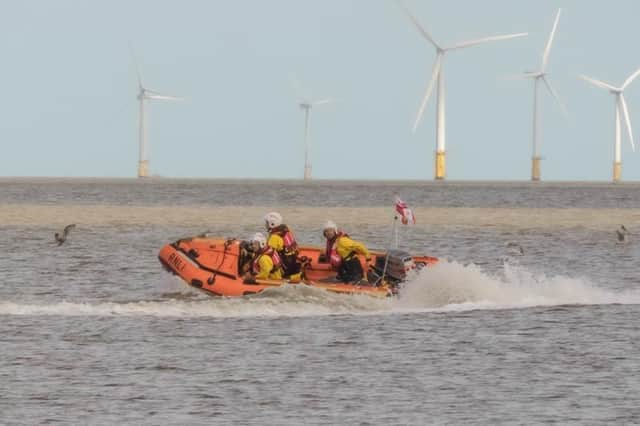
(69, 108)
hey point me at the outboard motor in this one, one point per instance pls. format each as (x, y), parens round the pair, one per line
(399, 264)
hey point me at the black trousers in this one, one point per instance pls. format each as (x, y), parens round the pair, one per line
(350, 270)
(290, 265)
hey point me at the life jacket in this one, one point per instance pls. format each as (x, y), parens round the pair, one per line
(267, 251)
(290, 244)
(331, 251)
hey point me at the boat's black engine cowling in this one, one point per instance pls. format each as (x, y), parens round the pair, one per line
(399, 263)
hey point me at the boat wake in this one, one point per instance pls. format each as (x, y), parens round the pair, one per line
(287, 301)
(450, 286)
(444, 287)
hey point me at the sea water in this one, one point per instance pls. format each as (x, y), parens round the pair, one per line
(95, 332)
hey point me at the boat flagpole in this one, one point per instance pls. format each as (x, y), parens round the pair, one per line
(402, 209)
(386, 255)
(395, 230)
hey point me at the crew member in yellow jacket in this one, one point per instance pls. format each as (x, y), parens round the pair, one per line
(342, 252)
(267, 263)
(282, 240)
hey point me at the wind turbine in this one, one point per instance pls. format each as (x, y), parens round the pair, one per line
(621, 106)
(541, 76)
(306, 105)
(438, 74)
(145, 94)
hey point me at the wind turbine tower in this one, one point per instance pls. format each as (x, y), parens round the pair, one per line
(306, 107)
(438, 75)
(538, 77)
(621, 108)
(145, 94)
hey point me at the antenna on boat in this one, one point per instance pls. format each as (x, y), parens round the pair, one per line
(394, 232)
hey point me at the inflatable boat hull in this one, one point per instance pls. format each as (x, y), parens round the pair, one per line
(216, 267)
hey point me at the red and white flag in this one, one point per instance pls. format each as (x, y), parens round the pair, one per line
(404, 211)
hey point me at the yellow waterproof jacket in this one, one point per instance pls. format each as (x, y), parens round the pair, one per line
(276, 242)
(266, 271)
(282, 240)
(344, 246)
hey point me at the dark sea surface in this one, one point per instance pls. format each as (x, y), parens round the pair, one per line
(96, 332)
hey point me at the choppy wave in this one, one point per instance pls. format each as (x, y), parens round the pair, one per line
(448, 286)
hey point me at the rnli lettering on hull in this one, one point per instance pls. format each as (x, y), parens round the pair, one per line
(177, 262)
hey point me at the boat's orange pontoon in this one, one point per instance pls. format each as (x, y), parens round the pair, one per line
(216, 266)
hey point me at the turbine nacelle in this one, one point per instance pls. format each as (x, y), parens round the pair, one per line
(148, 94)
(308, 105)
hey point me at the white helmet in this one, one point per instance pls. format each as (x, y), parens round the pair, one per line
(259, 238)
(330, 225)
(273, 219)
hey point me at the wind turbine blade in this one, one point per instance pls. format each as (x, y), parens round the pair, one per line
(545, 55)
(156, 93)
(630, 79)
(470, 43)
(522, 76)
(598, 83)
(415, 21)
(295, 84)
(136, 64)
(623, 106)
(159, 97)
(322, 102)
(555, 95)
(434, 77)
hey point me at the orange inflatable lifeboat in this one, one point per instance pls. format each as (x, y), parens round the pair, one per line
(214, 265)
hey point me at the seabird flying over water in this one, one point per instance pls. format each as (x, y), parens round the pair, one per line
(622, 234)
(61, 238)
(515, 249)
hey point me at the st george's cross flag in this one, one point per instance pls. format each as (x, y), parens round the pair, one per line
(404, 211)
